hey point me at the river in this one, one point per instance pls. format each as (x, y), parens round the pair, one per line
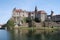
(17, 35)
(4, 35)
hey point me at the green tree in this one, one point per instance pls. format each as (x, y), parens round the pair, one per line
(10, 24)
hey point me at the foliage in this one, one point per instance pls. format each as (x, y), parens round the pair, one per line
(37, 20)
(28, 20)
(10, 23)
(24, 19)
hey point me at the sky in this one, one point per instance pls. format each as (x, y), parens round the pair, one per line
(6, 7)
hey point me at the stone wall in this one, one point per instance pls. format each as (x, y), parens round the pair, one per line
(25, 25)
(38, 25)
(54, 24)
(47, 24)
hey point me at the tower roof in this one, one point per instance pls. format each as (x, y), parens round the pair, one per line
(42, 12)
(18, 10)
(35, 8)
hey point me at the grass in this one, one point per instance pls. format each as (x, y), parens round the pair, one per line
(40, 28)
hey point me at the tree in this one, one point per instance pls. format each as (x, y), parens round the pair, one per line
(10, 24)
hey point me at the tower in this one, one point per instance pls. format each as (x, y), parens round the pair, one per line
(35, 11)
(35, 8)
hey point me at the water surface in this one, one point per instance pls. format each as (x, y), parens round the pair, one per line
(30, 35)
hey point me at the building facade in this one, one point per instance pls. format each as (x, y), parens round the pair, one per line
(19, 15)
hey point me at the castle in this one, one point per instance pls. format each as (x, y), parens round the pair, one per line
(19, 15)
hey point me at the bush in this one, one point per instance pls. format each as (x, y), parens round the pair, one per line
(37, 19)
(28, 20)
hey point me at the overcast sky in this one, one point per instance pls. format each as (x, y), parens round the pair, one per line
(6, 7)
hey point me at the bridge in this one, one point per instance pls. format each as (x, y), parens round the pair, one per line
(3, 27)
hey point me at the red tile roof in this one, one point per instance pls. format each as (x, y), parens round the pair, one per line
(41, 12)
(18, 10)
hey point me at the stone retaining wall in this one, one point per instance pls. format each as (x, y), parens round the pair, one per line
(54, 24)
(47, 24)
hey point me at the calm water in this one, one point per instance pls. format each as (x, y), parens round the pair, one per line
(4, 35)
(21, 35)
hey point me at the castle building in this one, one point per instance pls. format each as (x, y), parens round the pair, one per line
(19, 15)
(40, 15)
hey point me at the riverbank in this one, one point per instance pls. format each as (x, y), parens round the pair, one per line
(40, 28)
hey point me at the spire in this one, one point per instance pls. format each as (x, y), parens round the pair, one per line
(35, 12)
(35, 8)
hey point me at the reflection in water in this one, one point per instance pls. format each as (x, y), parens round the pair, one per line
(30, 35)
(17, 34)
(4, 35)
